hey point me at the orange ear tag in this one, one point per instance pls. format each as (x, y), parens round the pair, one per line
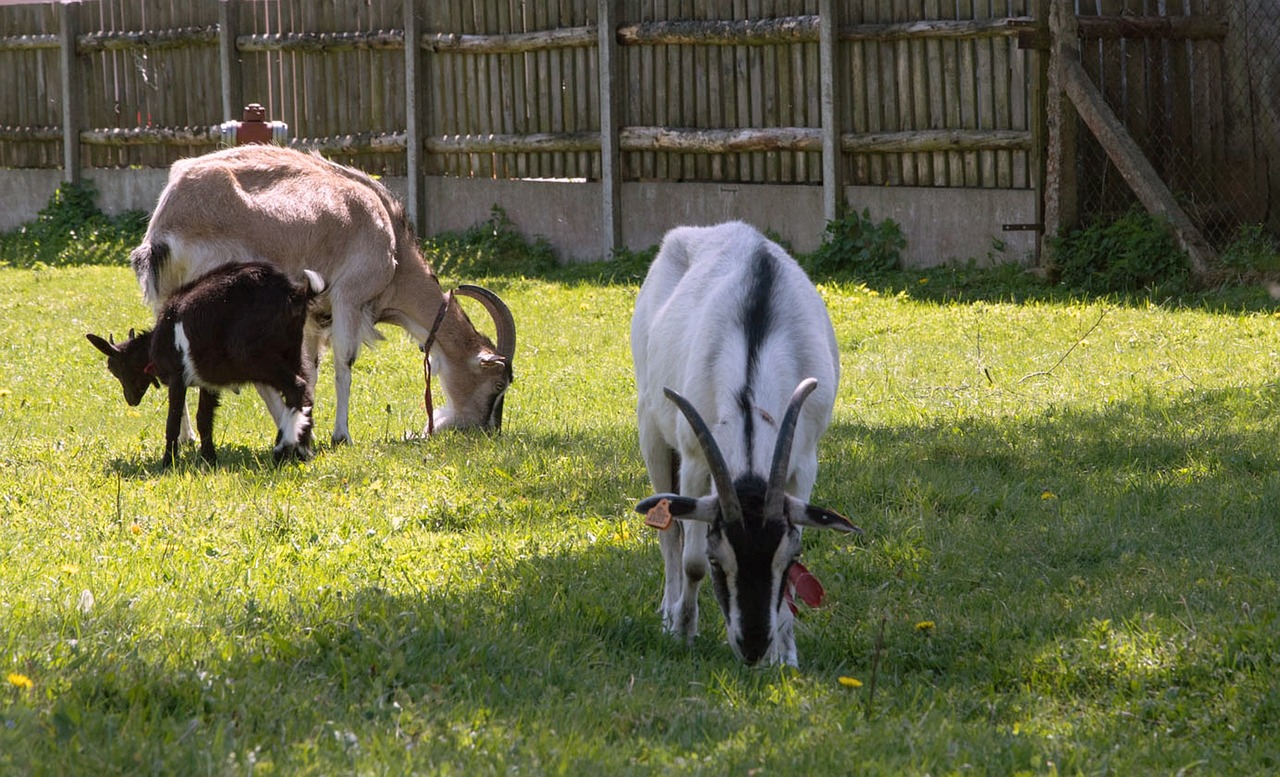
(659, 517)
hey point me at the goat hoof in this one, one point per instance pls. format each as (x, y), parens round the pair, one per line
(291, 453)
(341, 440)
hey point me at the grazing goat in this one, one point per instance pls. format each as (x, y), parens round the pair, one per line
(728, 328)
(297, 210)
(240, 323)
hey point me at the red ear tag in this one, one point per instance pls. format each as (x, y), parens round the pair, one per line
(150, 369)
(659, 516)
(806, 586)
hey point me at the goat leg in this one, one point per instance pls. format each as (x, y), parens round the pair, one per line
(205, 409)
(173, 422)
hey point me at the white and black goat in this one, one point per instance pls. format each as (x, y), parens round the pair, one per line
(300, 211)
(240, 323)
(728, 328)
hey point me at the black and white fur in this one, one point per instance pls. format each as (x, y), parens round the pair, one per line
(240, 323)
(728, 328)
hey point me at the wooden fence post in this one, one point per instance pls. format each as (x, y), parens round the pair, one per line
(832, 153)
(610, 163)
(415, 116)
(1061, 204)
(72, 90)
(1038, 88)
(229, 60)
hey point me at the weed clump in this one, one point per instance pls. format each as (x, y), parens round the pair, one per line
(855, 243)
(1133, 253)
(490, 247)
(1253, 250)
(70, 230)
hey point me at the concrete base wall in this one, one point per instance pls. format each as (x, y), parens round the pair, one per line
(941, 225)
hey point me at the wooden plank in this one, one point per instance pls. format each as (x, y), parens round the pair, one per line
(1022, 78)
(1061, 197)
(1001, 101)
(541, 163)
(416, 112)
(610, 156)
(969, 105)
(72, 103)
(903, 79)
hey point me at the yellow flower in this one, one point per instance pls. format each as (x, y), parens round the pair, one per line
(20, 680)
(925, 626)
(850, 682)
(135, 528)
(1046, 495)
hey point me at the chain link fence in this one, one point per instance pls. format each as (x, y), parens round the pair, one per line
(1198, 88)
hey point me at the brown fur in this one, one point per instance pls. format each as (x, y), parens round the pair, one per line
(295, 210)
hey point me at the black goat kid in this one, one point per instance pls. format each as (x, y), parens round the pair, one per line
(240, 323)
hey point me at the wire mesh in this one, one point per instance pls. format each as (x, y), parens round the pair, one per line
(1198, 88)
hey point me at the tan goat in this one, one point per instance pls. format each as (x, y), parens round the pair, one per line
(300, 211)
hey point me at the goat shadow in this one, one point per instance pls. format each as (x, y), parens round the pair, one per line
(146, 465)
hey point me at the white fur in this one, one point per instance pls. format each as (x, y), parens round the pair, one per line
(687, 334)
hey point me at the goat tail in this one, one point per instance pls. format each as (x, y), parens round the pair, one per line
(315, 283)
(148, 260)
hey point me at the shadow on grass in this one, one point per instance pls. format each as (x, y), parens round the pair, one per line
(231, 457)
(1034, 550)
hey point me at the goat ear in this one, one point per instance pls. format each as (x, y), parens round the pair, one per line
(821, 518)
(705, 509)
(680, 506)
(102, 345)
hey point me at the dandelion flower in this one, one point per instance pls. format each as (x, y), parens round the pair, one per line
(20, 681)
(850, 682)
(925, 626)
(1047, 495)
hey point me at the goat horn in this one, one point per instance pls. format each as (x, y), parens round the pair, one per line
(499, 312)
(730, 508)
(777, 490)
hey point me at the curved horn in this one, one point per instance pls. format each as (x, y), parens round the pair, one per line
(730, 508)
(777, 490)
(499, 312)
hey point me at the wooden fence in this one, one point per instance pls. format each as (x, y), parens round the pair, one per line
(828, 93)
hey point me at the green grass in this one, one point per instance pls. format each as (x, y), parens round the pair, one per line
(1089, 524)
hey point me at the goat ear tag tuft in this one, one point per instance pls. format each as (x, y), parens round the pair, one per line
(659, 516)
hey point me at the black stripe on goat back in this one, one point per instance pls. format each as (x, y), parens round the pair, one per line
(757, 307)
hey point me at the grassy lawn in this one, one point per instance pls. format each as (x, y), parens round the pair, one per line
(1072, 509)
